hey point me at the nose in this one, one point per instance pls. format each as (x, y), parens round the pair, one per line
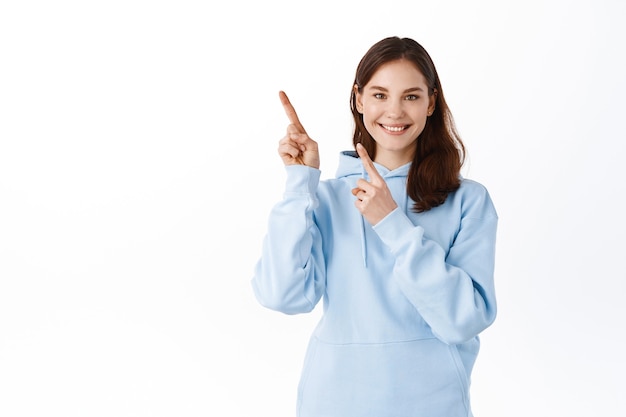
(395, 109)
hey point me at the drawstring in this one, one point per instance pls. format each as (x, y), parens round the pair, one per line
(363, 221)
(406, 201)
(363, 240)
(363, 244)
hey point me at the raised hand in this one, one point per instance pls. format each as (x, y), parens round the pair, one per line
(373, 198)
(296, 148)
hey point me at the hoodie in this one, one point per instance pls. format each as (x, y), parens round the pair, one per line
(404, 300)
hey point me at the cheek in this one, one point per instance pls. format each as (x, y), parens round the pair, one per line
(420, 114)
(419, 126)
(371, 112)
(370, 124)
(367, 115)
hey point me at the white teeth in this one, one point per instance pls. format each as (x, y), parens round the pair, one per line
(394, 128)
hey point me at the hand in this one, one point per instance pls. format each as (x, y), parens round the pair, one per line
(297, 148)
(374, 199)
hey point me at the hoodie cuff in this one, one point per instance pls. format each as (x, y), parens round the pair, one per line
(393, 228)
(302, 179)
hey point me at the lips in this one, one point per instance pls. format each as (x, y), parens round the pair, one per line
(394, 129)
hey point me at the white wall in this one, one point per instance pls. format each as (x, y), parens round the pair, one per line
(138, 165)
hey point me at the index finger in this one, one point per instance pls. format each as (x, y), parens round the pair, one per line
(290, 111)
(367, 162)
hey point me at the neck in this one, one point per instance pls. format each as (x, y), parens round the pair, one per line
(392, 160)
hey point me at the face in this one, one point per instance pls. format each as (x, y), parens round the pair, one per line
(395, 105)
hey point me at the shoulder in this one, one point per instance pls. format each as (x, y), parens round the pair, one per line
(474, 199)
(472, 187)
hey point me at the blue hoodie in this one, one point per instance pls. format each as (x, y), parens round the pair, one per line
(404, 300)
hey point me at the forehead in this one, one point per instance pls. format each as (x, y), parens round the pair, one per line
(400, 74)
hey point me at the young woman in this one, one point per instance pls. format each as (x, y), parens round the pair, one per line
(399, 246)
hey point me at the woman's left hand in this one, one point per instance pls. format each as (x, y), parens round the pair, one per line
(374, 199)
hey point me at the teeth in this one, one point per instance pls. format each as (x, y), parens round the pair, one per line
(394, 128)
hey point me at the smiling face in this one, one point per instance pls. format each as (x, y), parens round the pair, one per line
(395, 105)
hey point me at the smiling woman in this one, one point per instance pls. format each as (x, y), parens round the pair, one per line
(395, 115)
(137, 141)
(403, 94)
(399, 247)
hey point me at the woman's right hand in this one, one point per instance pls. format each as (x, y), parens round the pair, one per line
(297, 148)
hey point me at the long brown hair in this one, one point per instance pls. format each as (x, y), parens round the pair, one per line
(439, 153)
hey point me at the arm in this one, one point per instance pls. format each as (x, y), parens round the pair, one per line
(455, 293)
(290, 276)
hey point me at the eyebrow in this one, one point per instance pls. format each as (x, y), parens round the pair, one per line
(408, 90)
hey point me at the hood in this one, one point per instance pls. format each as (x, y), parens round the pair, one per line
(350, 165)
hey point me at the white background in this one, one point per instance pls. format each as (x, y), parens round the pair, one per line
(138, 165)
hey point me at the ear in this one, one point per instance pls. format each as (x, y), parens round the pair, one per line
(432, 100)
(359, 99)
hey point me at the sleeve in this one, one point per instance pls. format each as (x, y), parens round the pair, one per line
(290, 275)
(453, 292)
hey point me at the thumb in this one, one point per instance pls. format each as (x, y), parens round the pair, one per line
(295, 134)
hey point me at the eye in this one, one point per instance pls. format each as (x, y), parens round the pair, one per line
(411, 97)
(379, 96)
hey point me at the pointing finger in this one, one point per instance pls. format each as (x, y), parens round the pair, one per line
(290, 111)
(367, 163)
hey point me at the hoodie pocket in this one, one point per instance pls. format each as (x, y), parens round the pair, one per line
(464, 379)
(419, 378)
(309, 359)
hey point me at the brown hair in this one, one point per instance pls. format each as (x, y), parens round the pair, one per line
(439, 152)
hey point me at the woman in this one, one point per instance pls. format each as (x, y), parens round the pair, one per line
(400, 247)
